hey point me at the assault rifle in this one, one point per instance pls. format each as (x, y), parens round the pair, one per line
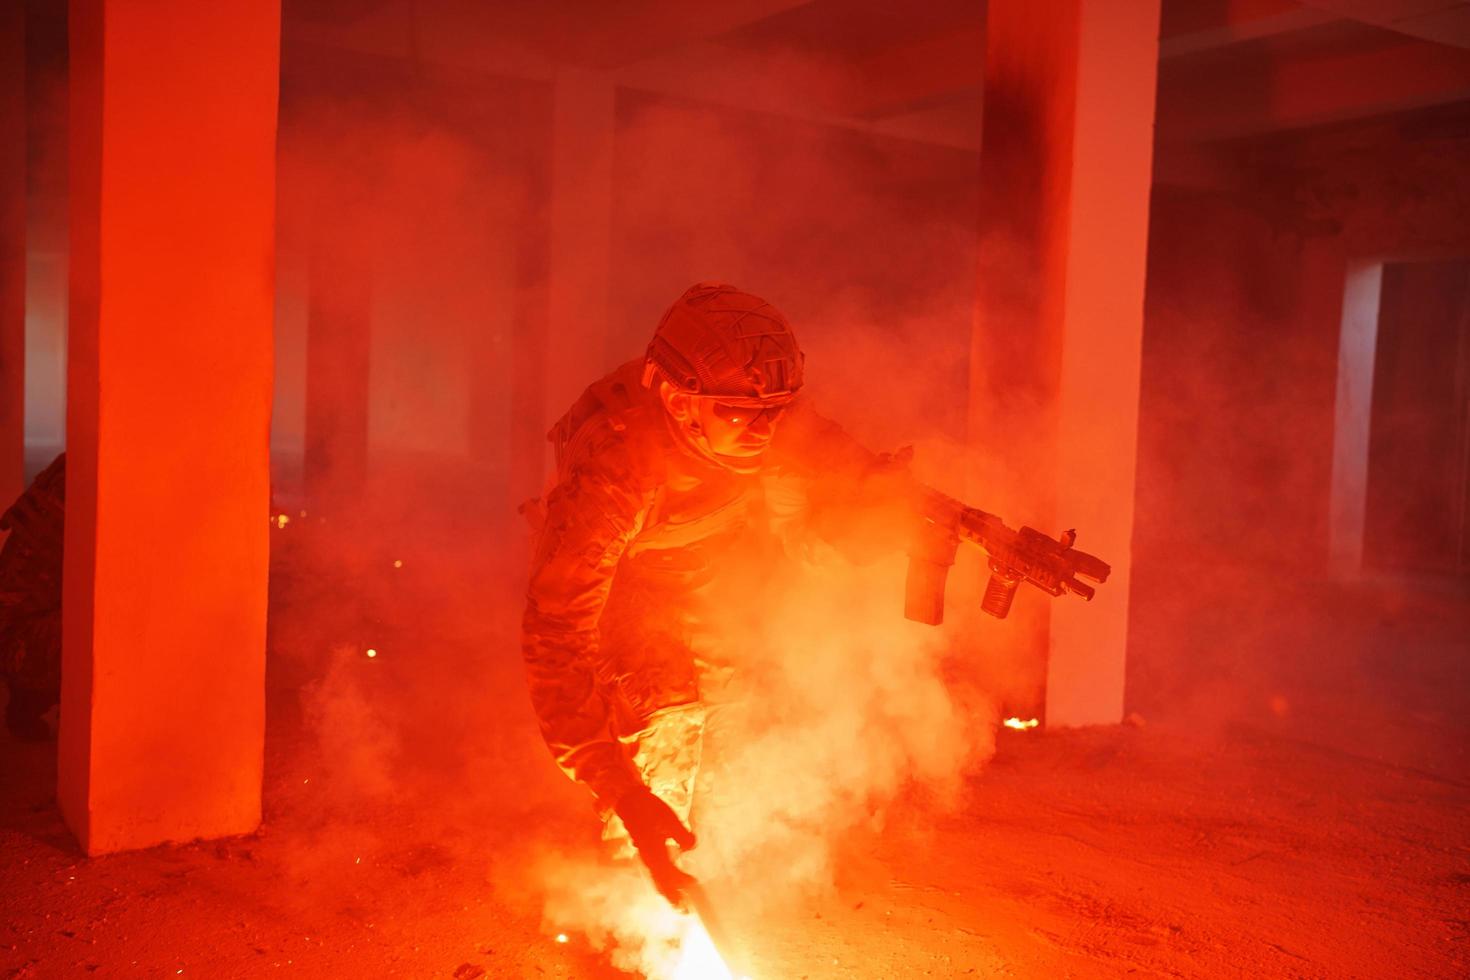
(1027, 555)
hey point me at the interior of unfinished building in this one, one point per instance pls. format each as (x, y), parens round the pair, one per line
(759, 489)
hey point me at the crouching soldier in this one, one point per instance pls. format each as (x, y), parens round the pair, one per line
(677, 465)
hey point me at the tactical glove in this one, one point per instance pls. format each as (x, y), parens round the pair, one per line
(651, 824)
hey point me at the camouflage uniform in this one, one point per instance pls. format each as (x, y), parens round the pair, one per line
(30, 600)
(621, 656)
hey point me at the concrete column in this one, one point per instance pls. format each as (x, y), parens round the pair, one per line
(173, 128)
(529, 407)
(1323, 270)
(1356, 351)
(13, 145)
(580, 208)
(1066, 168)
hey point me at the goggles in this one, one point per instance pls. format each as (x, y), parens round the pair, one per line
(746, 412)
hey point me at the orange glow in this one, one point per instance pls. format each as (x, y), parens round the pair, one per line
(698, 958)
(644, 935)
(1020, 725)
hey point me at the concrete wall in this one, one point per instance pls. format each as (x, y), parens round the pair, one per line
(1239, 378)
(1240, 390)
(865, 241)
(413, 184)
(1418, 446)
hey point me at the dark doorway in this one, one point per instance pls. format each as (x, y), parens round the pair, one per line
(1419, 450)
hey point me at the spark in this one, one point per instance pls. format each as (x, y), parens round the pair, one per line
(398, 563)
(371, 653)
(282, 520)
(561, 937)
(1020, 725)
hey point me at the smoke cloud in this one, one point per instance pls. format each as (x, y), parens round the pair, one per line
(843, 707)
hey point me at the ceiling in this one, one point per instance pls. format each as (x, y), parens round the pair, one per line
(1228, 68)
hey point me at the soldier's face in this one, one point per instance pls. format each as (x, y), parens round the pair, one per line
(729, 428)
(737, 430)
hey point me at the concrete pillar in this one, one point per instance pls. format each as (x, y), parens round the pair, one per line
(580, 209)
(1356, 351)
(529, 407)
(1318, 315)
(173, 128)
(13, 145)
(1066, 164)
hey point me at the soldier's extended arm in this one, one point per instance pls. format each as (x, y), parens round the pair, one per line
(590, 517)
(856, 500)
(872, 499)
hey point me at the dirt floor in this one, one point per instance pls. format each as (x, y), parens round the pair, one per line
(1087, 854)
(403, 811)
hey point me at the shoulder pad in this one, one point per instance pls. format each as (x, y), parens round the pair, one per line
(612, 424)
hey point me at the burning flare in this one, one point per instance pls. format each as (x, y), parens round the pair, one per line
(698, 958)
(1020, 725)
(669, 946)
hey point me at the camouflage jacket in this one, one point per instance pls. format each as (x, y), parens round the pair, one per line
(630, 500)
(30, 581)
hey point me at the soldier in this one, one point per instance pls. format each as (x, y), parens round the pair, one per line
(669, 469)
(30, 602)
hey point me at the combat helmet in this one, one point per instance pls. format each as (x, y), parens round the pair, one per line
(720, 341)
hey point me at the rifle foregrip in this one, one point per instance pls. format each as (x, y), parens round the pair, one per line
(1000, 592)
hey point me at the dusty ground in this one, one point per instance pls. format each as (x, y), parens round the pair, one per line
(1089, 854)
(401, 814)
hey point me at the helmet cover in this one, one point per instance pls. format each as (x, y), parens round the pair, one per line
(717, 340)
